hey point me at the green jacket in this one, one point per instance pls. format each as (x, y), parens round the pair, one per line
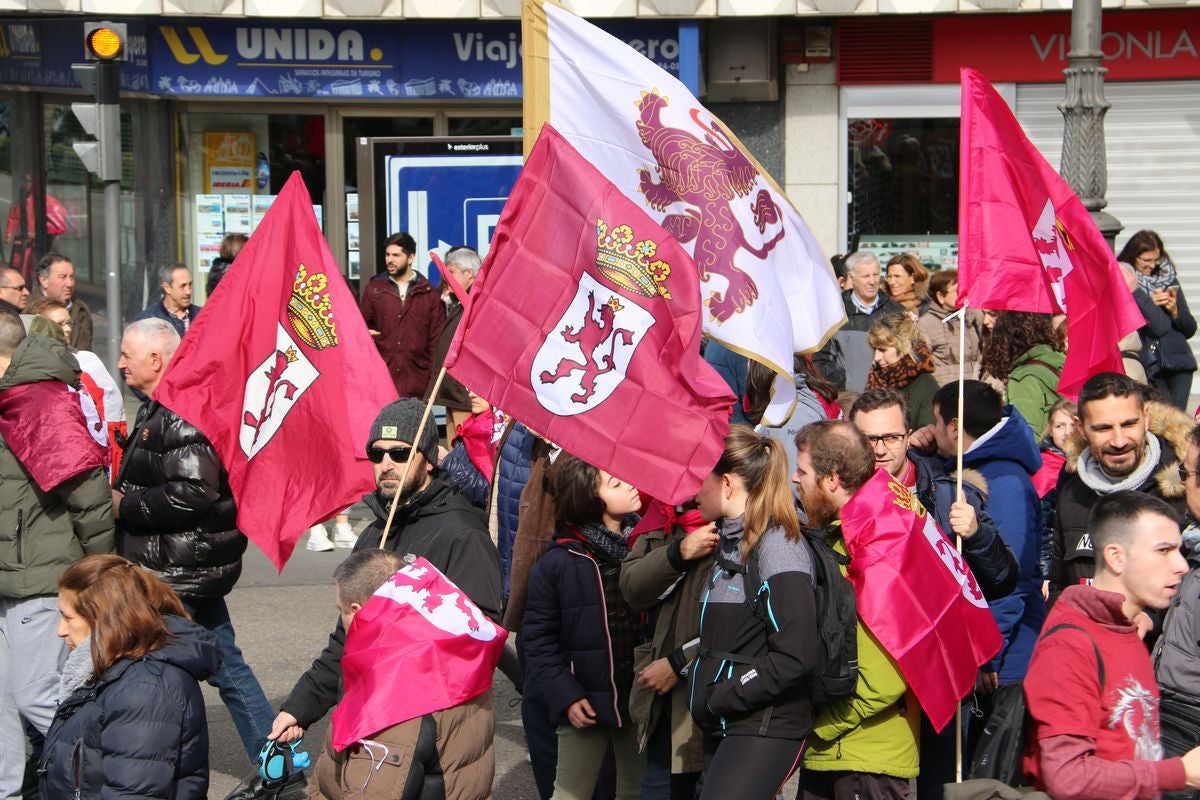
(1033, 385)
(920, 391)
(42, 533)
(875, 730)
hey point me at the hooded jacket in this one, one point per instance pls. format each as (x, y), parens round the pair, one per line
(1007, 456)
(42, 533)
(140, 730)
(409, 329)
(1071, 555)
(753, 673)
(177, 516)
(439, 524)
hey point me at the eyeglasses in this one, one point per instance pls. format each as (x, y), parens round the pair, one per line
(398, 455)
(21, 288)
(888, 439)
(1185, 473)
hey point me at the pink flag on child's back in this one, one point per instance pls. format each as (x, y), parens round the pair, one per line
(419, 645)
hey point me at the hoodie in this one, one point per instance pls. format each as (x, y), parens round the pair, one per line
(1007, 456)
(1095, 725)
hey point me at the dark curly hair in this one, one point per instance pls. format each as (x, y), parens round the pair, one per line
(1015, 333)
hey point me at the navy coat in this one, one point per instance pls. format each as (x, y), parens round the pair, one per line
(140, 731)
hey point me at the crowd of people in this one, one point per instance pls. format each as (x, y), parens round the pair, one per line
(709, 650)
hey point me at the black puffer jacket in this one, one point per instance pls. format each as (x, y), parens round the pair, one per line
(439, 524)
(579, 633)
(178, 518)
(140, 731)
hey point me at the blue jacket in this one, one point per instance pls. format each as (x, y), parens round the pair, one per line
(1007, 457)
(512, 473)
(579, 633)
(731, 366)
(159, 311)
(140, 731)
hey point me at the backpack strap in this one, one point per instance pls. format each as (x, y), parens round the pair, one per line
(1095, 647)
(1056, 370)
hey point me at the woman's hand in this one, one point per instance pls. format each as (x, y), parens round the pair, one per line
(580, 714)
(659, 676)
(699, 543)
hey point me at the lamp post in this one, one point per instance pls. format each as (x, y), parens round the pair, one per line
(1084, 161)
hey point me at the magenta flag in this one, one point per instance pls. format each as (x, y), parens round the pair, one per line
(584, 324)
(1026, 243)
(281, 375)
(45, 428)
(419, 645)
(917, 595)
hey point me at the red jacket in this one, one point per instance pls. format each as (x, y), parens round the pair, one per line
(408, 329)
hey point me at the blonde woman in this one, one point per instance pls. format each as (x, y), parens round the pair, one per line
(902, 362)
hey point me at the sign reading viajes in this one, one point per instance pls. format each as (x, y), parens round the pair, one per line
(362, 60)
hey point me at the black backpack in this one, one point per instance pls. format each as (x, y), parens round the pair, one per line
(837, 617)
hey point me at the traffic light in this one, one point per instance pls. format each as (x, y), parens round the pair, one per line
(104, 48)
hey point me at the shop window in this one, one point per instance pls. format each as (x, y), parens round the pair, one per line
(903, 183)
(75, 224)
(233, 166)
(484, 126)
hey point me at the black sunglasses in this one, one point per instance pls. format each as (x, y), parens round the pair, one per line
(398, 454)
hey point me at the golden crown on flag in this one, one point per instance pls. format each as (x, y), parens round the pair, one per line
(629, 264)
(309, 310)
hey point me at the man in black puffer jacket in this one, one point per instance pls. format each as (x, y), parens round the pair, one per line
(176, 517)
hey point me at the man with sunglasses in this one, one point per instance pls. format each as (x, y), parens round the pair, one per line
(431, 520)
(14, 293)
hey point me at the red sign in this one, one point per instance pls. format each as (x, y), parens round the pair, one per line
(1032, 48)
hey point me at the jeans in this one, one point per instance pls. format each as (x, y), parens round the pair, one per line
(239, 689)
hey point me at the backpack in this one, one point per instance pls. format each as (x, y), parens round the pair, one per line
(836, 674)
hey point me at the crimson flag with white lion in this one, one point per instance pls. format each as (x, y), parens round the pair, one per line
(767, 288)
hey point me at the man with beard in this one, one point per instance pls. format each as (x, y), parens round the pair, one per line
(405, 315)
(1121, 442)
(864, 745)
(432, 520)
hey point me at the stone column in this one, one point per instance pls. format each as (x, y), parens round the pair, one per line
(1084, 161)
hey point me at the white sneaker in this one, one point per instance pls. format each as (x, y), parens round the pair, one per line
(318, 539)
(343, 535)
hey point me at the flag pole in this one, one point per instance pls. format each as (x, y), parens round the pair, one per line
(961, 316)
(387, 526)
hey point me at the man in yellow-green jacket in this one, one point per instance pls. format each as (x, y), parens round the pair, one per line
(866, 745)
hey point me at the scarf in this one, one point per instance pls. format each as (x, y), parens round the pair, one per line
(662, 516)
(1161, 277)
(77, 669)
(611, 546)
(904, 371)
(479, 435)
(1094, 478)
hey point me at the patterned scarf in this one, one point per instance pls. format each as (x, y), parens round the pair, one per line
(1161, 277)
(601, 541)
(903, 372)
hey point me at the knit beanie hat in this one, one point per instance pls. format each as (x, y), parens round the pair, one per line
(399, 421)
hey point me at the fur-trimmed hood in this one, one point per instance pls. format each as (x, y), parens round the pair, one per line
(1171, 426)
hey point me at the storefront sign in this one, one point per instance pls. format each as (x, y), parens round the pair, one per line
(229, 160)
(1032, 48)
(39, 52)
(376, 60)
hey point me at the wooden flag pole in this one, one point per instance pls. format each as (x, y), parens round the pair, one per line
(961, 316)
(387, 526)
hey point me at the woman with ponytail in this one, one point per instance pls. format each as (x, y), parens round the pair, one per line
(749, 687)
(130, 718)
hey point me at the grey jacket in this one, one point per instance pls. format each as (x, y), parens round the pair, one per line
(1176, 659)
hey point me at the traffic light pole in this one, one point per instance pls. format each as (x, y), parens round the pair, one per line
(112, 269)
